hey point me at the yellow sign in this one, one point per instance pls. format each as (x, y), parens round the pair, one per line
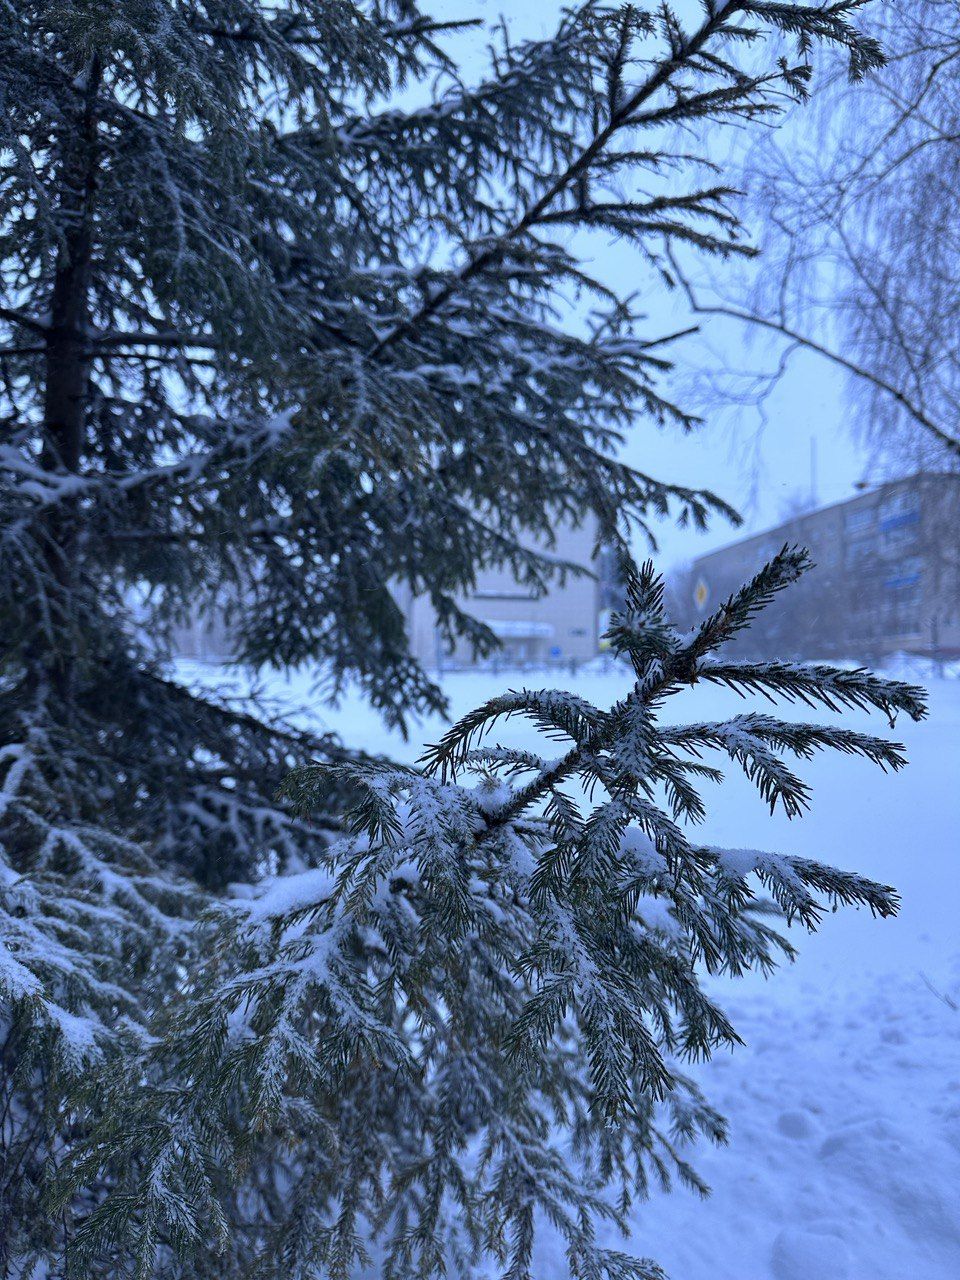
(701, 593)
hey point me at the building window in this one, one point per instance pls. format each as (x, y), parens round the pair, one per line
(859, 549)
(827, 552)
(899, 507)
(503, 593)
(906, 576)
(898, 534)
(859, 519)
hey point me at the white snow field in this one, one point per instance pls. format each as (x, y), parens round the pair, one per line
(844, 1104)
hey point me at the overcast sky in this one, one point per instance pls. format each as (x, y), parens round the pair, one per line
(756, 461)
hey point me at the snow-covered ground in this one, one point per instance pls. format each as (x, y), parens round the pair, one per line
(844, 1105)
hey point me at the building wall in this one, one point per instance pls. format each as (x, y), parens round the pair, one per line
(559, 626)
(205, 638)
(887, 575)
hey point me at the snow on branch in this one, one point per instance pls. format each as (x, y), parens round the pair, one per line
(478, 957)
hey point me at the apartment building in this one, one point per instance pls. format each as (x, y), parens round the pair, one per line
(887, 575)
(561, 626)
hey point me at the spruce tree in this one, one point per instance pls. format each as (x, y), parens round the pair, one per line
(271, 342)
(476, 1009)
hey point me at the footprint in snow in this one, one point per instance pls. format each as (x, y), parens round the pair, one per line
(809, 1255)
(796, 1124)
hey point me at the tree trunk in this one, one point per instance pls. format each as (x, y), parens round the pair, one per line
(66, 373)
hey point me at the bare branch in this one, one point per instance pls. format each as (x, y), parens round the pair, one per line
(804, 340)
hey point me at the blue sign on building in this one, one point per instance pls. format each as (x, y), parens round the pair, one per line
(902, 580)
(897, 522)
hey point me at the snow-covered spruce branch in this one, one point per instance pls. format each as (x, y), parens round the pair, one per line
(755, 742)
(482, 967)
(689, 53)
(643, 633)
(76, 896)
(811, 683)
